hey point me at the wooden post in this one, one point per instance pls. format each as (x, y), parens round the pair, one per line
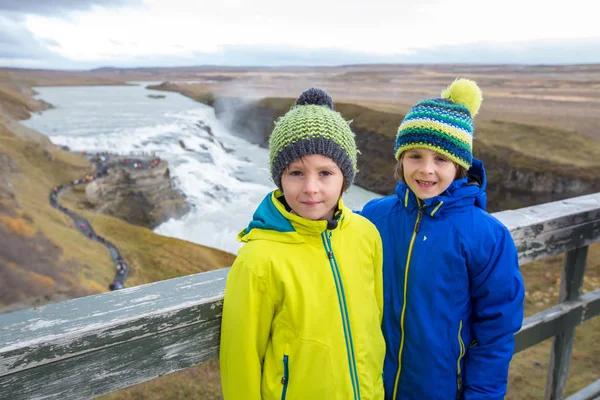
(562, 344)
(87, 347)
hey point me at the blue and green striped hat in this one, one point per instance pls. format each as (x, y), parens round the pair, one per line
(312, 126)
(444, 125)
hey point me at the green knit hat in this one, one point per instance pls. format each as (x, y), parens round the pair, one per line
(312, 126)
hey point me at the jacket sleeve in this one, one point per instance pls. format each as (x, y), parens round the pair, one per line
(245, 328)
(497, 295)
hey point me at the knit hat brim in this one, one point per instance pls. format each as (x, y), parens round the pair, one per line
(443, 125)
(460, 161)
(307, 147)
(309, 129)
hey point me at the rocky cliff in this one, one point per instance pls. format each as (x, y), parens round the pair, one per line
(17, 100)
(515, 177)
(43, 256)
(142, 197)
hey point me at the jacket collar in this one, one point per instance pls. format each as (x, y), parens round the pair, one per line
(307, 226)
(272, 221)
(461, 193)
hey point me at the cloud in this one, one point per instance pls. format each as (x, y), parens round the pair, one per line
(19, 47)
(56, 7)
(543, 51)
(269, 32)
(16, 41)
(535, 52)
(82, 34)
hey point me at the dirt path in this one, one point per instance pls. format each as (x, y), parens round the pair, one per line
(104, 164)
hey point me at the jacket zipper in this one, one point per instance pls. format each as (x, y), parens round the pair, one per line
(461, 354)
(410, 248)
(286, 377)
(339, 286)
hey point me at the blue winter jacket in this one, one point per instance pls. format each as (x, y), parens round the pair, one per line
(453, 293)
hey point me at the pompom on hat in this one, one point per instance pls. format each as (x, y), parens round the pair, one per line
(444, 125)
(312, 126)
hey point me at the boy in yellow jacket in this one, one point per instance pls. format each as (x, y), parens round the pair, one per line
(303, 302)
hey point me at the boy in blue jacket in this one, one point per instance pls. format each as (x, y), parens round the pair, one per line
(453, 293)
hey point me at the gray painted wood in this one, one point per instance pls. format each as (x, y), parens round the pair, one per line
(93, 345)
(592, 392)
(107, 369)
(552, 228)
(86, 347)
(548, 323)
(562, 344)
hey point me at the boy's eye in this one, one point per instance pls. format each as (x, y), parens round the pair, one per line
(326, 173)
(295, 173)
(415, 156)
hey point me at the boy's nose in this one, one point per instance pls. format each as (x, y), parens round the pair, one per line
(310, 185)
(427, 167)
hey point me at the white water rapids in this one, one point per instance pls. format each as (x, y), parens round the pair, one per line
(223, 176)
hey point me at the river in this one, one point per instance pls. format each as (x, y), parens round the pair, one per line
(223, 176)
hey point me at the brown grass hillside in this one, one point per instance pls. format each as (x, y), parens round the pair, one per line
(527, 141)
(151, 257)
(526, 164)
(564, 145)
(529, 368)
(40, 244)
(11, 77)
(565, 97)
(43, 258)
(544, 118)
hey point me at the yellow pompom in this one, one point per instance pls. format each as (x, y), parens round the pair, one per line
(465, 92)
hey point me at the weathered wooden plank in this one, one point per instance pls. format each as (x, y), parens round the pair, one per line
(562, 344)
(94, 345)
(552, 228)
(548, 323)
(108, 369)
(46, 334)
(86, 347)
(591, 392)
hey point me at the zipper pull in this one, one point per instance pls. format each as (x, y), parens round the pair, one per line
(419, 217)
(283, 380)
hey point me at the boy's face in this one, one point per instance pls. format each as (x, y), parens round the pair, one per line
(427, 173)
(312, 186)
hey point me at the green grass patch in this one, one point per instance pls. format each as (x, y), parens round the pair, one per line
(152, 257)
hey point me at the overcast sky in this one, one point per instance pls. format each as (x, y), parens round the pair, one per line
(82, 34)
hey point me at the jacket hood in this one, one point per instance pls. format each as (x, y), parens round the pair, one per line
(271, 221)
(461, 192)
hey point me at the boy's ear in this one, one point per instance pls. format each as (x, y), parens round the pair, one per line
(461, 172)
(345, 187)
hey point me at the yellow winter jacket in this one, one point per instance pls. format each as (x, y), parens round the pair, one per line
(303, 308)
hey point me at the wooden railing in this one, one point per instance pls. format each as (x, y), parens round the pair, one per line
(94, 345)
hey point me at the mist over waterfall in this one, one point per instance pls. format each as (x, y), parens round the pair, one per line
(223, 176)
